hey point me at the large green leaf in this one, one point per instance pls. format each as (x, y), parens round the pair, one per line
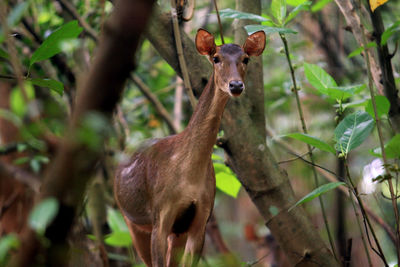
(52, 45)
(54, 85)
(295, 2)
(43, 214)
(226, 181)
(302, 7)
(278, 10)
(267, 29)
(382, 106)
(317, 192)
(234, 14)
(118, 239)
(311, 140)
(352, 131)
(392, 148)
(319, 78)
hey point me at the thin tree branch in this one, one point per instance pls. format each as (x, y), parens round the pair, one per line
(20, 175)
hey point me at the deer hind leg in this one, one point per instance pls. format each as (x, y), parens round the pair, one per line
(176, 247)
(141, 240)
(195, 240)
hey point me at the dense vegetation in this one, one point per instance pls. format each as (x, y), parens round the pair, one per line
(320, 118)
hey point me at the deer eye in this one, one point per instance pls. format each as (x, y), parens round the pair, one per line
(216, 59)
(246, 60)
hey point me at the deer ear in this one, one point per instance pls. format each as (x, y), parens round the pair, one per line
(205, 42)
(255, 44)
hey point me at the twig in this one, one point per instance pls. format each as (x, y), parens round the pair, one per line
(381, 142)
(332, 177)
(181, 58)
(21, 175)
(304, 126)
(156, 103)
(219, 22)
(74, 13)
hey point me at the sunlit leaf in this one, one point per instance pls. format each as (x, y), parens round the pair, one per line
(267, 29)
(52, 45)
(228, 183)
(320, 5)
(17, 99)
(392, 148)
(118, 239)
(352, 131)
(313, 141)
(376, 3)
(302, 7)
(234, 14)
(319, 78)
(43, 214)
(382, 106)
(278, 10)
(54, 85)
(317, 192)
(295, 2)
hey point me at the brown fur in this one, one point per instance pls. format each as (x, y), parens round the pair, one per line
(166, 191)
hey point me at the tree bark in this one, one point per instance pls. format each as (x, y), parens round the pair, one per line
(250, 158)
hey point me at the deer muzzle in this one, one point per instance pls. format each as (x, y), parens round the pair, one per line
(236, 87)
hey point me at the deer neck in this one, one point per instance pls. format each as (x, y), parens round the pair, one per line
(201, 132)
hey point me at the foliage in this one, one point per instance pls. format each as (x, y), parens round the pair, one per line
(43, 214)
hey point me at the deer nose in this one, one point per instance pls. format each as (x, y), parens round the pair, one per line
(236, 87)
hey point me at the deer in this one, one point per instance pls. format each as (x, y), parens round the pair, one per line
(166, 190)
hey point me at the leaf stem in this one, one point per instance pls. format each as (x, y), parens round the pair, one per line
(304, 127)
(366, 218)
(380, 137)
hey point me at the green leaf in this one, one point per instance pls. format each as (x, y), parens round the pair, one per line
(17, 101)
(118, 239)
(52, 45)
(394, 28)
(353, 104)
(278, 10)
(10, 116)
(267, 29)
(295, 2)
(54, 85)
(302, 7)
(228, 183)
(352, 131)
(317, 192)
(43, 214)
(359, 50)
(382, 106)
(344, 92)
(392, 148)
(313, 141)
(319, 78)
(116, 221)
(320, 5)
(234, 14)
(17, 13)
(7, 243)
